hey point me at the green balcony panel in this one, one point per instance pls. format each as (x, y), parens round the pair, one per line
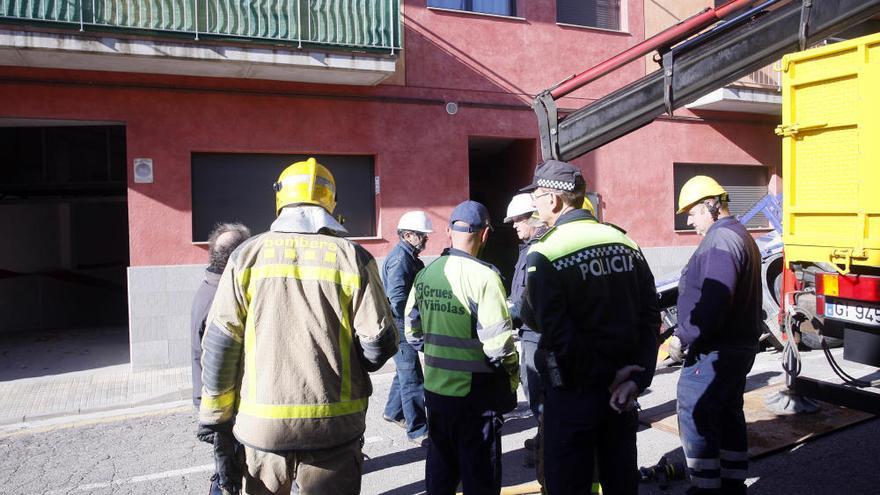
(337, 23)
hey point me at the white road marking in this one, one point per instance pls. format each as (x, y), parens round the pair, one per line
(137, 479)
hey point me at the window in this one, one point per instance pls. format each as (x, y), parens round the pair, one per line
(745, 184)
(603, 14)
(497, 7)
(238, 188)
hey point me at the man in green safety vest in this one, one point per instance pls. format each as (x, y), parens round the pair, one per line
(457, 315)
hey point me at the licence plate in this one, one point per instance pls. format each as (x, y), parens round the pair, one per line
(854, 312)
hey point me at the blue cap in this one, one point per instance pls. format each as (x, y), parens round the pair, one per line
(474, 214)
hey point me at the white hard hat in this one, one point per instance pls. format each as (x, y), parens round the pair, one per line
(417, 221)
(521, 204)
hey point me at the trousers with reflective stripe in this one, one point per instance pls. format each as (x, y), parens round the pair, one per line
(711, 422)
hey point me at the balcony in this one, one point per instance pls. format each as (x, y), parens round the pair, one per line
(758, 92)
(326, 41)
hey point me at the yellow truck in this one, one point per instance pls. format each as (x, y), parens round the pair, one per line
(831, 207)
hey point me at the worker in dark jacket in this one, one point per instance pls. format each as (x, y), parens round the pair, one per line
(591, 296)
(406, 399)
(222, 241)
(719, 323)
(528, 229)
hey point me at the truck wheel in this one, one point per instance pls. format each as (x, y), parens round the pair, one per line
(771, 282)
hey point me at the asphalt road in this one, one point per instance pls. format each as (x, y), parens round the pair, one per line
(155, 451)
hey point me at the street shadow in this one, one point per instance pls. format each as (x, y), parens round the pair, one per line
(53, 352)
(401, 458)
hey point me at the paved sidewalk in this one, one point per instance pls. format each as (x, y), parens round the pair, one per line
(61, 373)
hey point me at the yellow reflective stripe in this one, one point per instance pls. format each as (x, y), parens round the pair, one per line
(338, 277)
(221, 401)
(250, 362)
(302, 411)
(498, 342)
(345, 338)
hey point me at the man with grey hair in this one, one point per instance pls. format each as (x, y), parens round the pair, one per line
(222, 241)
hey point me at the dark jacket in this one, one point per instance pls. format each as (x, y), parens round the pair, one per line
(591, 295)
(518, 288)
(398, 273)
(200, 306)
(719, 293)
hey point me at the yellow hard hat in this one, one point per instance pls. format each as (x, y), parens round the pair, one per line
(588, 205)
(698, 188)
(306, 182)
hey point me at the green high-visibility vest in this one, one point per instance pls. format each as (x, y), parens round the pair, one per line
(457, 308)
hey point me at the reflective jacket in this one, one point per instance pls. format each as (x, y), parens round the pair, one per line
(457, 314)
(591, 295)
(719, 293)
(297, 322)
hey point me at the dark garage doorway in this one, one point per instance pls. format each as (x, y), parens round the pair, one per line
(64, 255)
(498, 169)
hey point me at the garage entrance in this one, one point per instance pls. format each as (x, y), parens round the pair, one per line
(63, 259)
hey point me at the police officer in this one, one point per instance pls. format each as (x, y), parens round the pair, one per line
(591, 295)
(719, 323)
(298, 321)
(457, 315)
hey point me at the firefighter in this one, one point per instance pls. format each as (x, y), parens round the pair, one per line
(520, 213)
(298, 320)
(457, 315)
(719, 323)
(591, 296)
(406, 398)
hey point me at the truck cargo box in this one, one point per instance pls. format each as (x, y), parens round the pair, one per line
(831, 153)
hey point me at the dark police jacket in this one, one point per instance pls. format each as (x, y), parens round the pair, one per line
(398, 273)
(518, 288)
(719, 293)
(591, 295)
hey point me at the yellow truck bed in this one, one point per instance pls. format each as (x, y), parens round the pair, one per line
(831, 153)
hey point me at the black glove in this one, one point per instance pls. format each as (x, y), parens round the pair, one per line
(227, 465)
(228, 461)
(205, 433)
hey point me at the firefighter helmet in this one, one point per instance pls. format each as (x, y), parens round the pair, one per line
(698, 188)
(306, 182)
(588, 205)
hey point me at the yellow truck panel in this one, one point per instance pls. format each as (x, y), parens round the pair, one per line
(831, 153)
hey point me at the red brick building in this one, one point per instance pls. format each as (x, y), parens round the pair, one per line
(129, 133)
